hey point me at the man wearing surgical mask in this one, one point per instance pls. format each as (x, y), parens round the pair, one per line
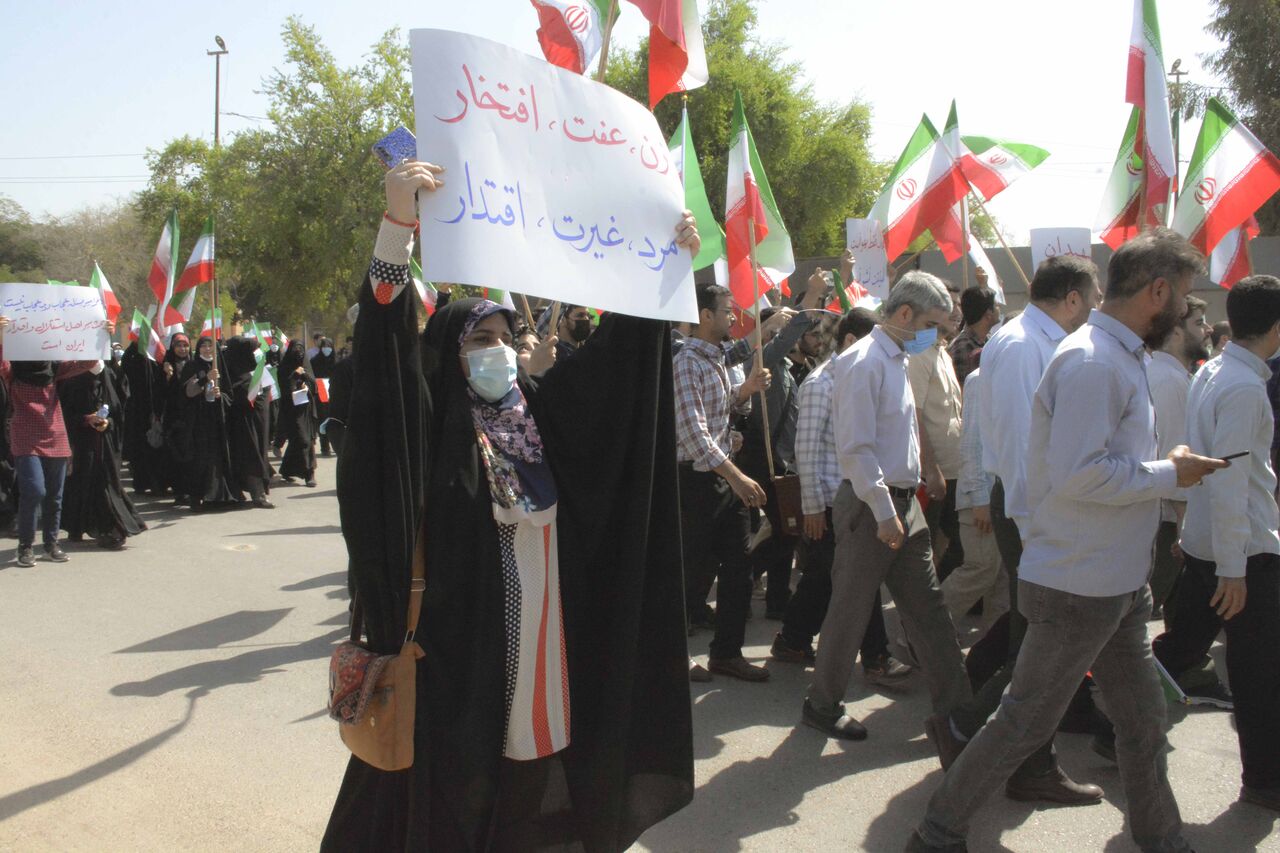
(573, 330)
(881, 534)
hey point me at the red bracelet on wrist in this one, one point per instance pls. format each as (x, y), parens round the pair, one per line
(388, 217)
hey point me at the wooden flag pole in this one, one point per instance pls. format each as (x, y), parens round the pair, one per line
(1007, 250)
(914, 255)
(964, 259)
(528, 313)
(759, 333)
(604, 48)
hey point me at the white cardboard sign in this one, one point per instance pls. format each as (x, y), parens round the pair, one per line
(555, 185)
(53, 322)
(871, 264)
(1047, 242)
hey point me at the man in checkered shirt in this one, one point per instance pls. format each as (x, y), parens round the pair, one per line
(714, 494)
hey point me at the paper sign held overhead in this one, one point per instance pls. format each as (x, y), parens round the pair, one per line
(54, 323)
(1047, 242)
(555, 185)
(871, 264)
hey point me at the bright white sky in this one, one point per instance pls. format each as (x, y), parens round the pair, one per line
(91, 78)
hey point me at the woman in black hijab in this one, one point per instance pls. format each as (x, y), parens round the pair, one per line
(176, 358)
(144, 434)
(297, 415)
(206, 459)
(247, 423)
(322, 364)
(94, 500)
(582, 459)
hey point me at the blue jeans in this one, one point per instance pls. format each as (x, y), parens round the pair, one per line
(1066, 635)
(40, 481)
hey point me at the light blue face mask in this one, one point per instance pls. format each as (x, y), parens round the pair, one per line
(924, 339)
(493, 372)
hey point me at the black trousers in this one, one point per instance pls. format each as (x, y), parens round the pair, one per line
(972, 715)
(1253, 641)
(716, 530)
(775, 556)
(943, 518)
(808, 605)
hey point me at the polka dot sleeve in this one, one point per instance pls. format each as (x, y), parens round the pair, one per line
(389, 271)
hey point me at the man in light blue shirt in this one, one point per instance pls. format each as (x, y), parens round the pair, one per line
(1230, 539)
(1093, 493)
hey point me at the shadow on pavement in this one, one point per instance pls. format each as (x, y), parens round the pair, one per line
(331, 579)
(292, 531)
(246, 668)
(231, 628)
(20, 801)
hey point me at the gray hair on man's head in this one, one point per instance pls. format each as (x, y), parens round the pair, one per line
(923, 291)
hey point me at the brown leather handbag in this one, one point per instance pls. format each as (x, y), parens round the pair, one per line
(373, 696)
(790, 514)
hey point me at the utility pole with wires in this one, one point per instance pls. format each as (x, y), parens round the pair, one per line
(217, 82)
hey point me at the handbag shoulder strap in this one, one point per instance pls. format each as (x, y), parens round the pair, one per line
(417, 585)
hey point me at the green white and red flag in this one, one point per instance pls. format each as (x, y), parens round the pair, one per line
(282, 339)
(1229, 261)
(571, 32)
(212, 324)
(135, 324)
(1122, 200)
(426, 290)
(109, 301)
(677, 54)
(1231, 175)
(322, 389)
(182, 313)
(993, 164)
(200, 265)
(501, 297)
(685, 158)
(747, 199)
(161, 277)
(149, 339)
(1147, 88)
(260, 379)
(923, 186)
(951, 233)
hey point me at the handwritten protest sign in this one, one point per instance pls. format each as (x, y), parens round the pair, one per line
(54, 323)
(871, 264)
(555, 185)
(1047, 242)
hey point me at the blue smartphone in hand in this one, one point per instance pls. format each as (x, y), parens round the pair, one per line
(396, 147)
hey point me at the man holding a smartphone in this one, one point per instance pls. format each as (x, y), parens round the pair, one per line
(1229, 535)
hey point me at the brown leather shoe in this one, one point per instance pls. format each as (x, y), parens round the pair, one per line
(1053, 787)
(949, 747)
(738, 668)
(782, 651)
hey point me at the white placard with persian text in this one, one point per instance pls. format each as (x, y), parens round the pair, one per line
(54, 322)
(555, 185)
(871, 264)
(1047, 242)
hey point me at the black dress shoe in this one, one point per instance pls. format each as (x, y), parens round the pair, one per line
(1053, 787)
(835, 723)
(263, 503)
(55, 554)
(917, 845)
(738, 668)
(1268, 798)
(783, 651)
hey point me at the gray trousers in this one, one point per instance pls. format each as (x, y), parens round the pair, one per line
(1066, 636)
(862, 562)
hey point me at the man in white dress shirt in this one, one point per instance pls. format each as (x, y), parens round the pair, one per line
(881, 535)
(1093, 496)
(1229, 535)
(1063, 292)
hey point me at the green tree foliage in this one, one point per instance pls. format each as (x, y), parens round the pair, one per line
(1250, 66)
(296, 204)
(815, 154)
(20, 255)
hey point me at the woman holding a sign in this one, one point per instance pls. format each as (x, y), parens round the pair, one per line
(553, 701)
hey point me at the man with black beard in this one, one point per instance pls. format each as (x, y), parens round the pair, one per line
(1170, 376)
(1094, 484)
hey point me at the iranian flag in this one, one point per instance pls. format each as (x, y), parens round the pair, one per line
(282, 339)
(677, 56)
(1122, 199)
(1231, 176)
(135, 324)
(499, 296)
(261, 378)
(212, 325)
(747, 198)
(426, 290)
(161, 277)
(180, 315)
(109, 301)
(978, 255)
(1148, 89)
(923, 187)
(200, 265)
(571, 33)
(685, 157)
(1229, 261)
(322, 389)
(993, 164)
(150, 340)
(850, 296)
